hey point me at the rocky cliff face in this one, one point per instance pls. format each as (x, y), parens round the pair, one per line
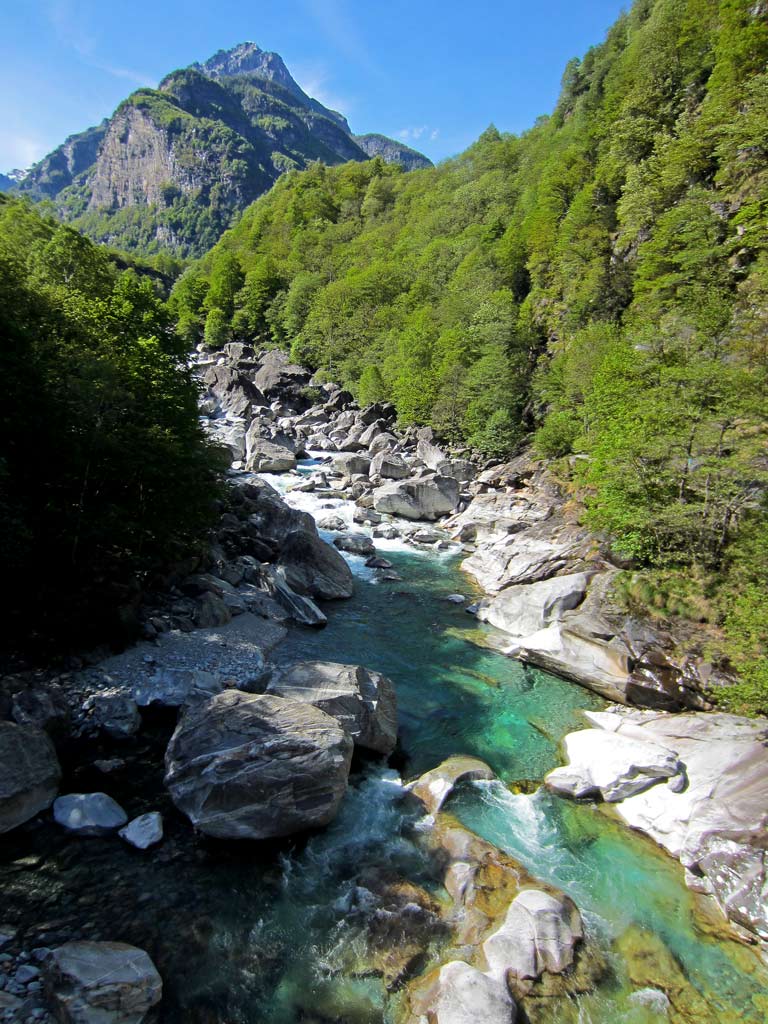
(174, 165)
(392, 152)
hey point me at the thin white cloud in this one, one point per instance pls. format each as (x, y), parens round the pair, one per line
(418, 132)
(20, 150)
(72, 31)
(315, 80)
(337, 24)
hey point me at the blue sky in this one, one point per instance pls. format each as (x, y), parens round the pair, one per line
(434, 73)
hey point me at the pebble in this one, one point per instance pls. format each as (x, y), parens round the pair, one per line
(27, 973)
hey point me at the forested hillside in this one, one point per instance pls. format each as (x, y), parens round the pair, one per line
(105, 476)
(601, 280)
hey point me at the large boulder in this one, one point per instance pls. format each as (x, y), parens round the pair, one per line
(268, 457)
(89, 814)
(389, 466)
(247, 766)
(461, 994)
(362, 701)
(350, 464)
(355, 543)
(233, 390)
(424, 498)
(278, 377)
(311, 566)
(611, 766)
(525, 609)
(528, 557)
(724, 802)
(102, 983)
(539, 933)
(29, 774)
(435, 786)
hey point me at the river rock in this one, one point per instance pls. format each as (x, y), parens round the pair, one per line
(29, 774)
(355, 543)
(89, 814)
(389, 466)
(382, 443)
(267, 457)
(599, 664)
(435, 786)
(278, 377)
(313, 567)
(300, 608)
(725, 801)
(364, 702)
(611, 765)
(234, 391)
(521, 610)
(102, 983)
(247, 766)
(144, 831)
(350, 464)
(116, 713)
(539, 934)
(174, 687)
(426, 498)
(334, 523)
(527, 557)
(432, 456)
(461, 994)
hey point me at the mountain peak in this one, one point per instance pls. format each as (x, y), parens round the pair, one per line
(248, 58)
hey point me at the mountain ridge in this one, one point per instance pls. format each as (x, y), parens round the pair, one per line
(173, 167)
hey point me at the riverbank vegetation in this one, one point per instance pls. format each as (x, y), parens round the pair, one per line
(600, 282)
(105, 475)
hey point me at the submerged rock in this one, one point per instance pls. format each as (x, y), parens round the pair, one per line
(102, 983)
(362, 701)
(29, 774)
(144, 831)
(245, 766)
(461, 994)
(539, 934)
(89, 814)
(715, 823)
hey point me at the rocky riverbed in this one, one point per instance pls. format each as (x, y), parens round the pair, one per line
(413, 916)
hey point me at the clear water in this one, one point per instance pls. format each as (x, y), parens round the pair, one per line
(275, 934)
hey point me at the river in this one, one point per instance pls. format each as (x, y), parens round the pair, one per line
(273, 933)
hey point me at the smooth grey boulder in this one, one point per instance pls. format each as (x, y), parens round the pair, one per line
(539, 933)
(611, 766)
(434, 787)
(724, 802)
(29, 774)
(424, 498)
(525, 609)
(102, 983)
(115, 713)
(144, 831)
(362, 701)
(432, 456)
(257, 766)
(175, 687)
(267, 457)
(277, 375)
(233, 390)
(336, 524)
(389, 466)
(355, 543)
(350, 464)
(313, 567)
(381, 443)
(89, 814)
(461, 994)
(300, 608)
